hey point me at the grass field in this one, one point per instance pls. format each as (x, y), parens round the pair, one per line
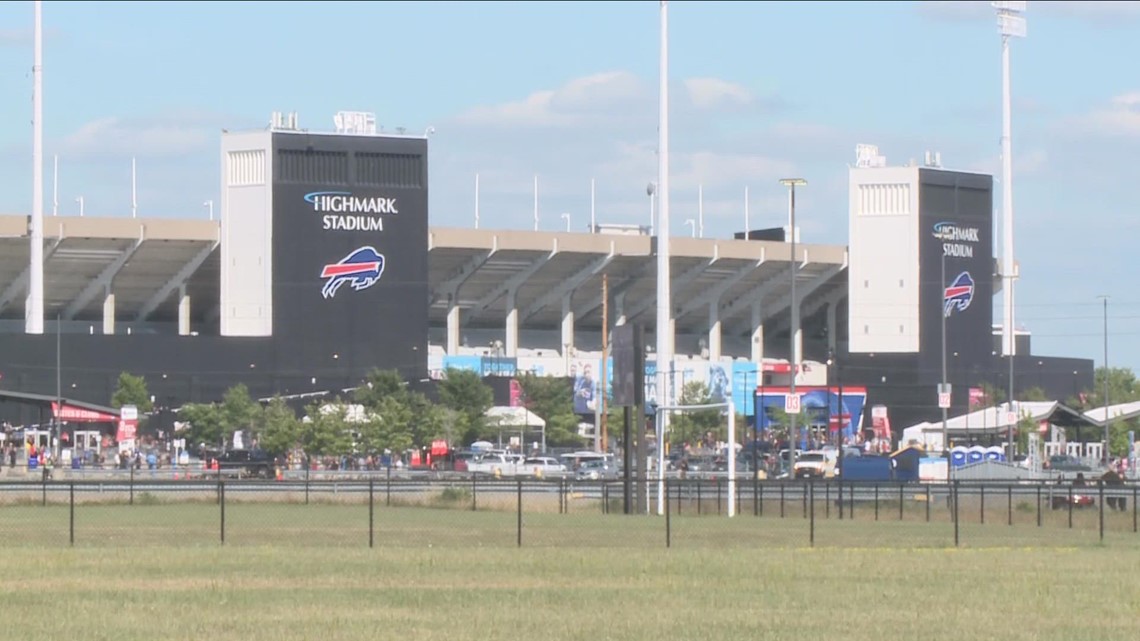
(275, 593)
(289, 571)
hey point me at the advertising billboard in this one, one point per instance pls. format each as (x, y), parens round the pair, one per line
(350, 274)
(956, 268)
(821, 408)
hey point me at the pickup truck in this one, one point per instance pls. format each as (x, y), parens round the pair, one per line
(494, 464)
(246, 464)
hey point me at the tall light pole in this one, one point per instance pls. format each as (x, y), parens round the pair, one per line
(794, 325)
(942, 390)
(79, 199)
(34, 307)
(1104, 298)
(566, 217)
(664, 298)
(209, 205)
(692, 227)
(700, 211)
(1011, 24)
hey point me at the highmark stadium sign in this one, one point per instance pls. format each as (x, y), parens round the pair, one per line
(957, 241)
(345, 212)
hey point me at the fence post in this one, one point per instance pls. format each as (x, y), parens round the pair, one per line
(982, 497)
(954, 493)
(43, 490)
(131, 486)
(851, 503)
(755, 489)
(308, 466)
(1134, 509)
(668, 519)
(71, 521)
(698, 497)
(388, 489)
(1038, 505)
(902, 499)
(811, 494)
(827, 500)
(1009, 504)
(804, 496)
(474, 492)
(1100, 492)
(222, 501)
(1069, 503)
(680, 491)
(928, 504)
(605, 497)
(371, 511)
(520, 508)
(876, 501)
(783, 484)
(840, 490)
(718, 496)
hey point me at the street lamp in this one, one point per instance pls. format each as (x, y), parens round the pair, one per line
(1104, 298)
(209, 205)
(651, 191)
(943, 388)
(566, 217)
(794, 312)
(692, 227)
(79, 199)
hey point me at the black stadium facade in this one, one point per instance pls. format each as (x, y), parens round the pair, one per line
(324, 267)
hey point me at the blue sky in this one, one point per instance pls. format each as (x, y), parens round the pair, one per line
(567, 90)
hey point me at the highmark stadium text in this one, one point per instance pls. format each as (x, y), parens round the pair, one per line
(340, 203)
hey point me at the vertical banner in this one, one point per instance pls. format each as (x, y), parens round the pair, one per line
(128, 424)
(977, 398)
(585, 386)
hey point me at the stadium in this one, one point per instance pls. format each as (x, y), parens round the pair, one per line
(275, 295)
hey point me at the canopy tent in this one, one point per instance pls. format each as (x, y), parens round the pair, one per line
(72, 411)
(1118, 412)
(516, 419)
(992, 421)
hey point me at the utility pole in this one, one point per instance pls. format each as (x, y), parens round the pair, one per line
(605, 358)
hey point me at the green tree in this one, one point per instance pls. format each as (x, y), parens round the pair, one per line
(327, 431)
(464, 392)
(131, 390)
(1034, 395)
(991, 394)
(689, 427)
(207, 423)
(279, 428)
(552, 399)
(239, 410)
(380, 384)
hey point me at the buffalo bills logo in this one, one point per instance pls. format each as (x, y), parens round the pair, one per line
(959, 294)
(362, 268)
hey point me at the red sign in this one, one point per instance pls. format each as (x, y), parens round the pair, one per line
(127, 430)
(73, 414)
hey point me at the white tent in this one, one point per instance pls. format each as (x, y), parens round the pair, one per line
(516, 419)
(989, 420)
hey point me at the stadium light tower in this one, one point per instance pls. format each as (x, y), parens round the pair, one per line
(34, 307)
(664, 299)
(1011, 24)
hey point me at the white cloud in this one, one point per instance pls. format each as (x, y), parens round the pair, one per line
(710, 93)
(576, 103)
(1120, 117)
(172, 134)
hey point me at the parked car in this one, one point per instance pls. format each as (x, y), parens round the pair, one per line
(542, 467)
(813, 465)
(597, 470)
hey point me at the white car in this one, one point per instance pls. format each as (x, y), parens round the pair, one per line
(493, 464)
(542, 467)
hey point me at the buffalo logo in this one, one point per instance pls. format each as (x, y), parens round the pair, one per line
(959, 294)
(362, 268)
